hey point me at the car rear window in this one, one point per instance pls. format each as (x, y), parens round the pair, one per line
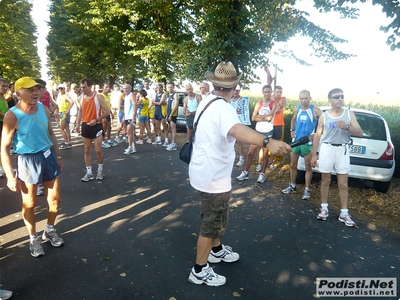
(372, 126)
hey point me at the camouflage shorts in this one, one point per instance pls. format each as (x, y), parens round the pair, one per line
(214, 213)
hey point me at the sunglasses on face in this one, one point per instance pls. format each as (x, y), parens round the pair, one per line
(337, 97)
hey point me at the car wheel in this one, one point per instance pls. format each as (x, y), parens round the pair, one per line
(301, 176)
(382, 187)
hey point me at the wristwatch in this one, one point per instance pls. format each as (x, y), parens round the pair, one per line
(265, 142)
(347, 127)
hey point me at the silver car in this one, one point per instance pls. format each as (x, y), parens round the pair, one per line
(371, 156)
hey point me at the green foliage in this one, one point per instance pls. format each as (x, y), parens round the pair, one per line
(18, 41)
(173, 40)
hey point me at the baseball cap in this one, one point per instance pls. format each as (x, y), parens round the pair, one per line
(40, 81)
(140, 86)
(25, 83)
(61, 86)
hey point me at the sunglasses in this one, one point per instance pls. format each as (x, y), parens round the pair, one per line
(337, 97)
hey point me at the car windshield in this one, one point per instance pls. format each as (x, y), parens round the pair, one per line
(372, 126)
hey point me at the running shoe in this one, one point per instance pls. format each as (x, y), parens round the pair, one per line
(165, 144)
(172, 147)
(346, 219)
(36, 247)
(129, 150)
(149, 141)
(240, 162)
(206, 276)
(53, 237)
(139, 142)
(261, 178)
(258, 168)
(112, 143)
(271, 166)
(324, 214)
(100, 175)
(289, 190)
(244, 175)
(226, 255)
(4, 294)
(87, 177)
(157, 142)
(306, 195)
(105, 145)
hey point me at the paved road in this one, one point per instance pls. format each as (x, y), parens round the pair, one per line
(133, 236)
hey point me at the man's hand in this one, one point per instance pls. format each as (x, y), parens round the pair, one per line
(278, 147)
(13, 184)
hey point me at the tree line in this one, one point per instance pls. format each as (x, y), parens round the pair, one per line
(129, 40)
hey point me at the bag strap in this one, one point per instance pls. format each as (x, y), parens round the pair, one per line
(205, 107)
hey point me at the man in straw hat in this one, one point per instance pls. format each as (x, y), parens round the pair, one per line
(38, 160)
(211, 166)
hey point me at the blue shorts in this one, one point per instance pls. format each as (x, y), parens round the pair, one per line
(120, 115)
(158, 116)
(189, 121)
(143, 119)
(38, 168)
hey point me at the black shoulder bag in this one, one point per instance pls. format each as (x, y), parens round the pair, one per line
(186, 151)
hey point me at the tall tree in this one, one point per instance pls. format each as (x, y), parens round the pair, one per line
(19, 55)
(173, 39)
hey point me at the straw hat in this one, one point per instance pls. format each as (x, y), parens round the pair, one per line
(224, 75)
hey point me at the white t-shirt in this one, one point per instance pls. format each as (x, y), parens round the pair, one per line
(210, 167)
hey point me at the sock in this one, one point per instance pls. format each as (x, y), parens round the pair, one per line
(217, 248)
(240, 157)
(32, 237)
(166, 140)
(199, 268)
(324, 205)
(307, 189)
(344, 211)
(100, 168)
(89, 170)
(49, 227)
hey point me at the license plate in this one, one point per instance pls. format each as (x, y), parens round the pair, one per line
(357, 149)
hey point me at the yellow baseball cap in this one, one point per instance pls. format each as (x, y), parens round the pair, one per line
(25, 83)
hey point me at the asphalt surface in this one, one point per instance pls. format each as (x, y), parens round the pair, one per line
(133, 236)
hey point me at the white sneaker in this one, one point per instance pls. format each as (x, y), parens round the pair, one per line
(323, 215)
(148, 141)
(258, 168)
(157, 142)
(87, 177)
(139, 142)
(346, 219)
(226, 255)
(129, 150)
(261, 178)
(165, 144)
(207, 276)
(100, 175)
(241, 162)
(172, 147)
(271, 166)
(105, 145)
(244, 175)
(124, 139)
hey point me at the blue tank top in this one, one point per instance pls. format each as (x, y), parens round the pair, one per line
(305, 123)
(158, 108)
(192, 103)
(32, 135)
(171, 99)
